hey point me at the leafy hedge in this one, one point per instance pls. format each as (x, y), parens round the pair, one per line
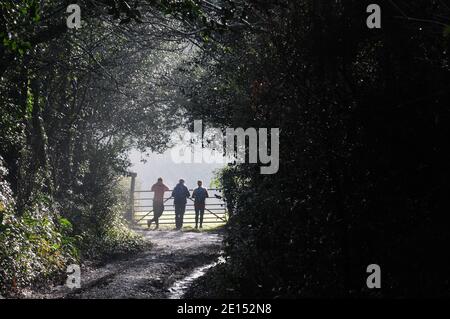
(364, 176)
(34, 246)
(37, 245)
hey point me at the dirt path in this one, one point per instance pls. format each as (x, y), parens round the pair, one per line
(150, 274)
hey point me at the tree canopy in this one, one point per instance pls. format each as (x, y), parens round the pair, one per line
(363, 115)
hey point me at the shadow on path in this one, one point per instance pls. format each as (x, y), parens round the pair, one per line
(149, 274)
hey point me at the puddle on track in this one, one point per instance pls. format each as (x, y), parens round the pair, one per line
(181, 286)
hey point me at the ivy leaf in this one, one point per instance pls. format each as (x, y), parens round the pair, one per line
(447, 31)
(126, 20)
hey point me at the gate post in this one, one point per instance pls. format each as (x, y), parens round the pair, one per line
(130, 215)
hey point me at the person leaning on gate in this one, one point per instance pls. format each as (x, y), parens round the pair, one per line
(180, 194)
(158, 190)
(200, 195)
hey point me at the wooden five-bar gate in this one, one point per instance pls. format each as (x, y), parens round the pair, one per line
(142, 208)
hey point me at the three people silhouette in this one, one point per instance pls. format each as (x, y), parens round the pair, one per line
(180, 194)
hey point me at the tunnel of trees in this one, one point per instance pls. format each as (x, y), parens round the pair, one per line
(363, 115)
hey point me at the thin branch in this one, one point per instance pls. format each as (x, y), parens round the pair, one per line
(421, 20)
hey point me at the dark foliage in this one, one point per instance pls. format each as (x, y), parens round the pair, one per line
(363, 114)
(364, 125)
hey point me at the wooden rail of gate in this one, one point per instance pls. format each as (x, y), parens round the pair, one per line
(215, 208)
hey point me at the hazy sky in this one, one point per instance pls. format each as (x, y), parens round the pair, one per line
(162, 165)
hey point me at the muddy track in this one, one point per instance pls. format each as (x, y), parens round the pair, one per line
(149, 274)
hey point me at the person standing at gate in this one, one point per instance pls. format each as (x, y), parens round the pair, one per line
(158, 190)
(200, 195)
(180, 194)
